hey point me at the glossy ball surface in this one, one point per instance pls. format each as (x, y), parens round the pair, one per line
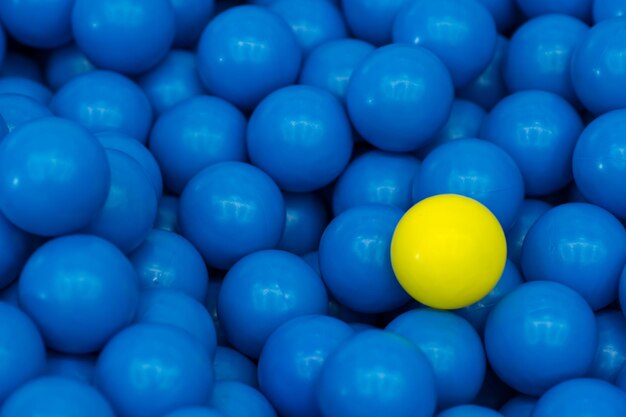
(519, 406)
(191, 17)
(167, 214)
(611, 350)
(38, 23)
(469, 411)
(530, 211)
(68, 186)
(246, 53)
(230, 365)
(26, 87)
(608, 9)
(550, 337)
(306, 219)
(234, 399)
(80, 368)
(65, 64)
(295, 128)
(196, 412)
(399, 97)
(580, 9)
(372, 20)
(448, 251)
(17, 109)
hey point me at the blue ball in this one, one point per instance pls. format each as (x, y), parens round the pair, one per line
(489, 87)
(579, 245)
(129, 36)
(177, 309)
(598, 68)
(354, 259)
(194, 134)
(23, 352)
(476, 314)
(539, 131)
(230, 210)
(530, 211)
(292, 360)
(17, 109)
(65, 64)
(301, 137)
(582, 398)
(230, 365)
(234, 399)
(452, 347)
(38, 23)
(167, 214)
(264, 290)
(173, 80)
(461, 33)
(376, 177)
(191, 17)
(608, 9)
(196, 412)
(469, 411)
(80, 368)
(56, 396)
(580, 9)
(306, 219)
(26, 87)
(611, 350)
(105, 101)
(399, 97)
(247, 52)
(477, 169)
(539, 335)
(54, 176)
(519, 406)
(153, 369)
(540, 53)
(376, 373)
(166, 260)
(313, 22)
(372, 20)
(80, 290)
(17, 246)
(599, 163)
(330, 65)
(504, 12)
(131, 206)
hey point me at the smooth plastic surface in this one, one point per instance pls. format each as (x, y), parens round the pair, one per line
(530, 211)
(196, 412)
(191, 17)
(306, 219)
(372, 20)
(17, 246)
(608, 9)
(230, 365)
(610, 355)
(519, 406)
(38, 23)
(65, 64)
(80, 368)
(234, 399)
(20, 85)
(469, 411)
(17, 109)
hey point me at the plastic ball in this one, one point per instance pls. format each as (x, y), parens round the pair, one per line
(26, 87)
(376, 177)
(166, 260)
(17, 246)
(23, 352)
(477, 169)
(129, 36)
(399, 97)
(372, 20)
(376, 373)
(489, 87)
(453, 349)
(196, 412)
(17, 109)
(38, 23)
(599, 163)
(540, 53)
(80, 290)
(293, 130)
(582, 397)
(519, 406)
(80, 368)
(131, 206)
(578, 245)
(461, 33)
(195, 134)
(607, 9)
(230, 210)
(234, 399)
(469, 411)
(354, 259)
(306, 219)
(56, 396)
(550, 337)
(610, 355)
(448, 251)
(247, 52)
(330, 65)
(529, 213)
(504, 12)
(65, 64)
(105, 101)
(191, 17)
(230, 365)
(68, 186)
(577, 8)
(263, 291)
(292, 359)
(167, 214)
(148, 370)
(175, 308)
(539, 131)
(173, 80)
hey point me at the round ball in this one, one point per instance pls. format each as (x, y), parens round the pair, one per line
(448, 251)
(54, 176)
(191, 17)
(469, 411)
(38, 23)
(167, 215)
(550, 337)
(230, 365)
(234, 399)
(80, 368)
(372, 20)
(519, 406)
(27, 87)
(530, 211)
(306, 219)
(246, 53)
(230, 210)
(608, 9)
(129, 36)
(17, 109)
(293, 130)
(580, 9)
(399, 97)
(610, 355)
(65, 64)
(80, 290)
(263, 291)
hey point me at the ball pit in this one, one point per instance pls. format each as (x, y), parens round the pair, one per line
(312, 208)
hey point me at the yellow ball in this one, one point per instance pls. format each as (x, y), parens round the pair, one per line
(448, 251)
